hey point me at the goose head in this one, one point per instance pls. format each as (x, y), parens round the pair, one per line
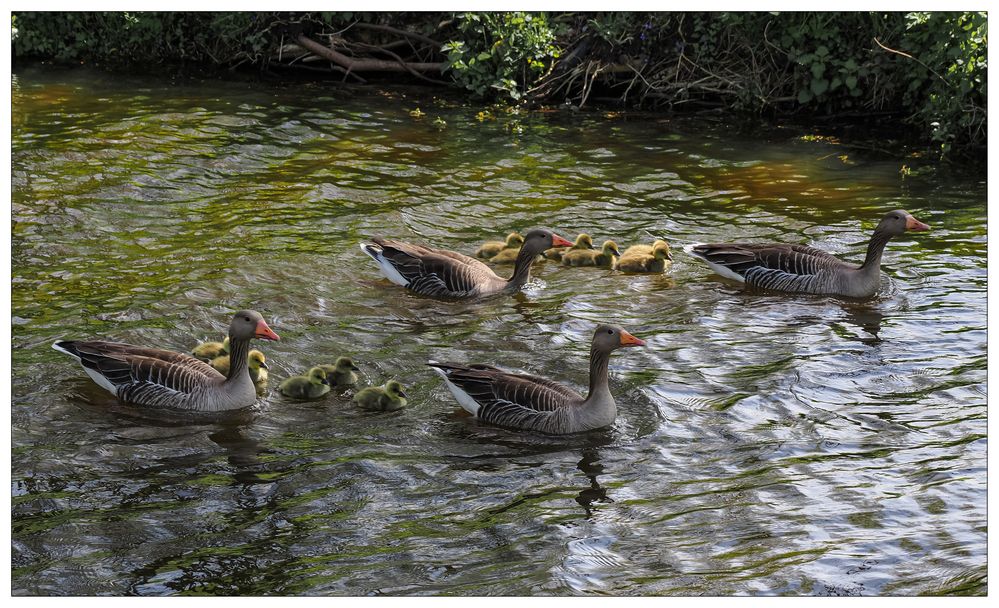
(608, 338)
(897, 222)
(540, 239)
(318, 376)
(248, 324)
(394, 389)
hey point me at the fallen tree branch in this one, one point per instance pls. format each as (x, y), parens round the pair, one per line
(352, 64)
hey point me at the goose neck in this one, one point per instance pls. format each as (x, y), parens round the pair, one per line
(874, 250)
(239, 350)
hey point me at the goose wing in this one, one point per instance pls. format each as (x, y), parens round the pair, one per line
(434, 272)
(142, 375)
(772, 260)
(508, 399)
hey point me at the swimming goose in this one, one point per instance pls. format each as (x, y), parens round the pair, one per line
(311, 386)
(207, 351)
(587, 257)
(803, 269)
(158, 378)
(341, 373)
(533, 403)
(490, 249)
(256, 362)
(636, 261)
(446, 274)
(386, 398)
(583, 241)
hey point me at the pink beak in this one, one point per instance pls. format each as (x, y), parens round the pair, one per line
(912, 223)
(265, 332)
(558, 241)
(630, 340)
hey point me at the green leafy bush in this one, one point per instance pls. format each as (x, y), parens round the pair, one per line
(504, 52)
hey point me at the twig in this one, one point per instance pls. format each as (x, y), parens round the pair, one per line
(908, 56)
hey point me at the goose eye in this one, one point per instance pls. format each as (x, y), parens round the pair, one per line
(610, 331)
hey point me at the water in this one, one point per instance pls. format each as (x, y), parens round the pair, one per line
(766, 444)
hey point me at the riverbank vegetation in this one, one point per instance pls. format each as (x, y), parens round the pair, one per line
(925, 71)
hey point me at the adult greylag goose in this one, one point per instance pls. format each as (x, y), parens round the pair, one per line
(441, 273)
(341, 373)
(587, 257)
(256, 362)
(583, 241)
(491, 249)
(310, 386)
(153, 377)
(533, 403)
(636, 260)
(803, 269)
(206, 351)
(386, 398)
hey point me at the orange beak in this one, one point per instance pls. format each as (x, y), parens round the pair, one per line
(912, 223)
(558, 241)
(265, 332)
(630, 340)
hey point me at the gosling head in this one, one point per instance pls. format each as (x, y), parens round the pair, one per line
(898, 221)
(257, 360)
(610, 248)
(225, 345)
(584, 241)
(394, 389)
(660, 249)
(514, 240)
(318, 376)
(344, 364)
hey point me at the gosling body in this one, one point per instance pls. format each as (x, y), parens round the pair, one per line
(382, 398)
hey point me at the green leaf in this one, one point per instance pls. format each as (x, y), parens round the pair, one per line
(818, 69)
(851, 82)
(804, 96)
(819, 86)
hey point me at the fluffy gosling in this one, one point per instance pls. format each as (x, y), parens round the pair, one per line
(491, 249)
(341, 373)
(587, 257)
(311, 386)
(386, 399)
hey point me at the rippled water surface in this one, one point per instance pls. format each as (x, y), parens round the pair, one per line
(765, 444)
